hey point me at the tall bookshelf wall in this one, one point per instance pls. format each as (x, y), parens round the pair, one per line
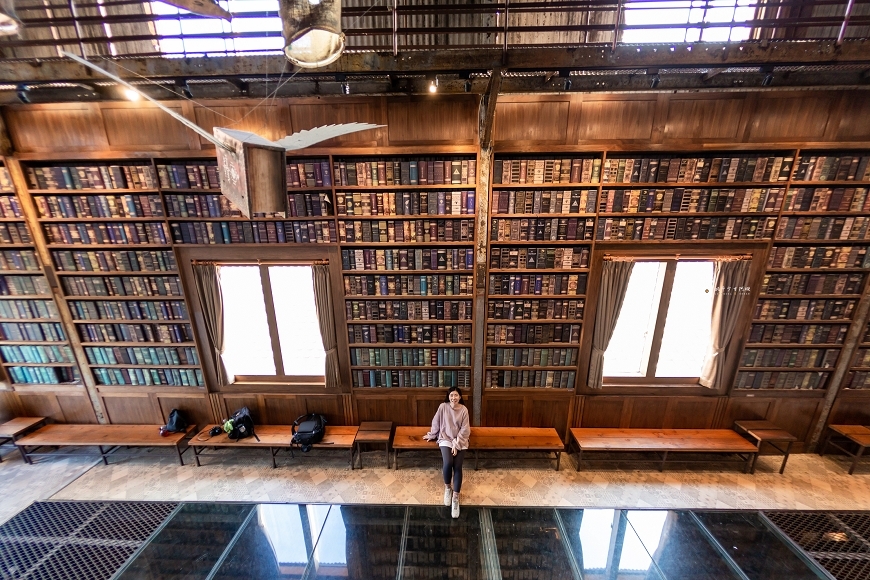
(34, 348)
(816, 273)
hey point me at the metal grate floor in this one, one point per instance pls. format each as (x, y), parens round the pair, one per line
(76, 540)
(839, 542)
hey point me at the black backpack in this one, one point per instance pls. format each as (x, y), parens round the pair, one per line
(240, 425)
(308, 430)
(176, 423)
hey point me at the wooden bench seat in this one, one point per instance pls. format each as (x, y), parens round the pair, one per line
(485, 439)
(107, 438)
(274, 438)
(12, 430)
(664, 441)
(858, 435)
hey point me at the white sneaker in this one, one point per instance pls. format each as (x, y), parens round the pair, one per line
(448, 494)
(454, 510)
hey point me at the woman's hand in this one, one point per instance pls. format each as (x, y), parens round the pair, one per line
(430, 437)
(454, 451)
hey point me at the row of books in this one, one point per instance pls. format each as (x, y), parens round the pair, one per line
(541, 229)
(416, 379)
(309, 204)
(405, 203)
(708, 228)
(121, 286)
(827, 199)
(804, 309)
(798, 333)
(428, 230)
(19, 260)
(535, 309)
(546, 170)
(408, 259)
(14, 233)
(507, 201)
(863, 358)
(9, 207)
(189, 176)
(382, 172)
(409, 333)
(532, 357)
(135, 333)
(135, 355)
(32, 331)
(309, 173)
(824, 358)
(858, 380)
(6, 180)
(833, 168)
(36, 354)
(192, 205)
(680, 200)
(137, 377)
(106, 233)
(23, 286)
(244, 232)
(24, 309)
(392, 285)
(539, 258)
(98, 206)
(128, 310)
(408, 309)
(43, 375)
(532, 333)
(114, 260)
(410, 357)
(823, 228)
(736, 169)
(521, 379)
(537, 284)
(819, 257)
(808, 380)
(91, 177)
(812, 283)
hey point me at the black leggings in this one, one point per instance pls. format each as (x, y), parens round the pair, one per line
(452, 467)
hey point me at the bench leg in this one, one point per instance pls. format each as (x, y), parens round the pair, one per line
(476, 459)
(272, 452)
(103, 455)
(785, 459)
(857, 456)
(178, 452)
(351, 456)
(664, 458)
(558, 459)
(750, 463)
(387, 453)
(579, 458)
(396, 459)
(196, 452)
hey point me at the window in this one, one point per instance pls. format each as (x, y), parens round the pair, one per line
(664, 326)
(687, 21)
(270, 323)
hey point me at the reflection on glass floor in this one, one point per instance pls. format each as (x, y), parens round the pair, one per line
(221, 541)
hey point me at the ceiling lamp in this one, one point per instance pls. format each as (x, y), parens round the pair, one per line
(312, 31)
(9, 22)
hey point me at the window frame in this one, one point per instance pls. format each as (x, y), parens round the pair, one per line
(686, 251)
(265, 256)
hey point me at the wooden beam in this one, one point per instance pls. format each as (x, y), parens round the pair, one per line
(487, 109)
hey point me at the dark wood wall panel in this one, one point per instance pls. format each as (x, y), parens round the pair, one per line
(797, 415)
(549, 412)
(648, 413)
(704, 118)
(139, 126)
(855, 118)
(502, 411)
(692, 412)
(282, 410)
(376, 407)
(130, 409)
(308, 116)
(850, 408)
(330, 406)
(544, 121)
(9, 406)
(56, 128)
(614, 119)
(269, 121)
(76, 408)
(791, 117)
(433, 120)
(41, 405)
(196, 409)
(602, 411)
(231, 403)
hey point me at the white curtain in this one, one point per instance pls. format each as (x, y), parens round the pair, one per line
(729, 280)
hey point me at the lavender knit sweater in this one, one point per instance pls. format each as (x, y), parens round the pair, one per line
(450, 425)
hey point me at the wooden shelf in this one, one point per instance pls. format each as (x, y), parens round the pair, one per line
(818, 241)
(30, 320)
(411, 368)
(257, 245)
(531, 367)
(805, 296)
(111, 298)
(686, 241)
(816, 270)
(244, 219)
(696, 185)
(532, 345)
(832, 183)
(407, 244)
(21, 272)
(79, 219)
(44, 385)
(12, 219)
(822, 212)
(793, 321)
(468, 186)
(134, 344)
(131, 321)
(162, 386)
(59, 364)
(322, 188)
(26, 297)
(25, 342)
(787, 369)
(138, 366)
(539, 215)
(537, 270)
(789, 345)
(403, 272)
(406, 297)
(542, 296)
(117, 273)
(91, 191)
(200, 190)
(539, 321)
(409, 322)
(541, 242)
(545, 185)
(403, 217)
(167, 246)
(679, 214)
(409, 345)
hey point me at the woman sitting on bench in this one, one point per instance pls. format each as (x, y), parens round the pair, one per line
(451, 428)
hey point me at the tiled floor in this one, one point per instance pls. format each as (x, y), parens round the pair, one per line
(810, 482)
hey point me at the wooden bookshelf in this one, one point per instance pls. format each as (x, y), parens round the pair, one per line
(816, 272)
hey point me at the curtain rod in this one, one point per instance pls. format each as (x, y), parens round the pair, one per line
(677, 257)
(261, 262)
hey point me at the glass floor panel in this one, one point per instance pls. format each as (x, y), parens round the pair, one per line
(228, 541)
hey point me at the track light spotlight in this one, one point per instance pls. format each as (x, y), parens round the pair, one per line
(567, 84)
(767, 80)
(654, 82)
(345, 88)
(468, 86)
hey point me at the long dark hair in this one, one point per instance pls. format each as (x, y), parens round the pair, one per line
(450, 390)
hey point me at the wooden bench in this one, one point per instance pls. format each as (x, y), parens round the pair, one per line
(485, 439)
(107, 438)
(857, 434)
(10, 431)
(274, 438)
(663, 441)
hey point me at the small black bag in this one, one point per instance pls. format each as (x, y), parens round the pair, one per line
(177, 422)
(308, 430)
(240, 425)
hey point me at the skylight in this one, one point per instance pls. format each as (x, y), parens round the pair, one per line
(255, 21)
(698, 14)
